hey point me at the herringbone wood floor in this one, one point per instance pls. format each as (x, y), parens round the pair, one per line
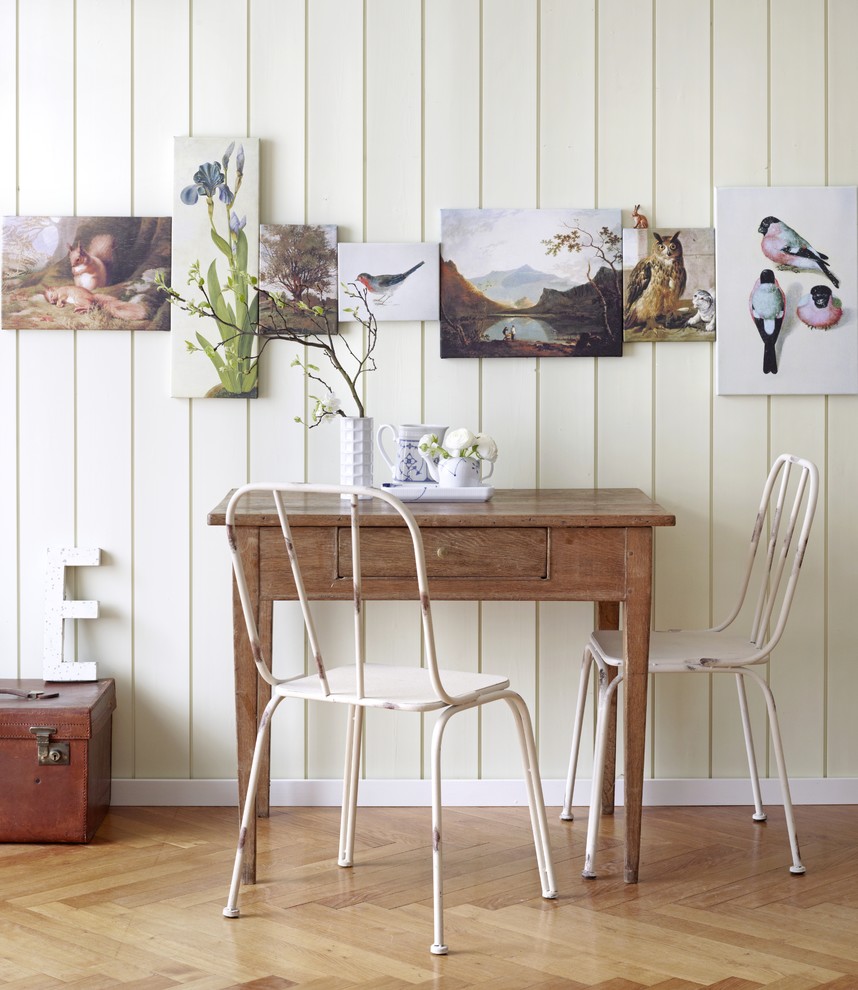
(140, 908)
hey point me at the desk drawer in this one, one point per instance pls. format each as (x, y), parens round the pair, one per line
(453, 552)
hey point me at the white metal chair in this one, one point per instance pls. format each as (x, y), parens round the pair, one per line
(361, 685)
(787, 505)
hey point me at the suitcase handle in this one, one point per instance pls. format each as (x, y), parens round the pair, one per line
(29, 695)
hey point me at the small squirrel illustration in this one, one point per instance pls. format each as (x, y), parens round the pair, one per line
(82, 301)
(91, 266)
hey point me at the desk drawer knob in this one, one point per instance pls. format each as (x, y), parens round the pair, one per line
(442, 552)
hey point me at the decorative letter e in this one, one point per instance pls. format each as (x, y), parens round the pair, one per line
(57, 609)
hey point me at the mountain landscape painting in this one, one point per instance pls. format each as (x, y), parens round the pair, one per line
(531, 283)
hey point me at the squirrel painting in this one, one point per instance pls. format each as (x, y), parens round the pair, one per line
(91, 266)
(91, 270)
(82, 301)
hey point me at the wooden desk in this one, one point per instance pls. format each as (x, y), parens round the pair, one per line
(548, 545)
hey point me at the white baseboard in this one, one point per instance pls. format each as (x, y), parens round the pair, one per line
(476, 793)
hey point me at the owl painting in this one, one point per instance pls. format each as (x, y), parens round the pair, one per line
(662, 271)
(657, 282)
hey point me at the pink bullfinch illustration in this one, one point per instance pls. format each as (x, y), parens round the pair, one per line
(767, 305)
(820, 308)
(383, 286)
(785, 246)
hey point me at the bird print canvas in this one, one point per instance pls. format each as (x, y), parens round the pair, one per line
(668, 284)
(400, 280)
(787, 290)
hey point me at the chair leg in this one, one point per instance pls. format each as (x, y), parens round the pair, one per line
(351, 779)
(231, 909)
(438, 947)
(535, 798)
(759, 813)
(777, 745)
(536, 803)
(606, 693)
(583, 681)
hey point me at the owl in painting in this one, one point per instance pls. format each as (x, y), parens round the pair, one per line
(656, 283)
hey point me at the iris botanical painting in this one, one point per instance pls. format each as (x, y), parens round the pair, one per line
(400, 280)
(787, 272)
(297, 273)
(216, 251)
(85, 273)
(531, 283)
(668, 284)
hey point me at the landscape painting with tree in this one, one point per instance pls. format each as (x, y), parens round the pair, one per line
(531, 283)
(297, 265)
(85, 273)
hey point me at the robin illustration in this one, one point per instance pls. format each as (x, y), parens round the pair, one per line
(767, 305)
(383, 286)
(785, 246)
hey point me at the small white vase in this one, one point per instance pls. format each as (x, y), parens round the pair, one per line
(356, 442)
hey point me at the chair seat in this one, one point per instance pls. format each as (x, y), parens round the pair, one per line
(681, 649)
(386, 686)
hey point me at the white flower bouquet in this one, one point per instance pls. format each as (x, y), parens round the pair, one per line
(459, 443)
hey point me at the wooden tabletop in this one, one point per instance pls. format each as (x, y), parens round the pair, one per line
(591, 507)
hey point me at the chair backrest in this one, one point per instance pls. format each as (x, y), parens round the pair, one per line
(778, 543)
(355, 494)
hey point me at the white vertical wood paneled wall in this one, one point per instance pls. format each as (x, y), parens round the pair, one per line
(375, 114)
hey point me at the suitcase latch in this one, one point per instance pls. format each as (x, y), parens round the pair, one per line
(50, 754)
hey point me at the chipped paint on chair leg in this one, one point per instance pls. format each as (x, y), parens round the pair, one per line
(535, 800)
(583, 682)
(759, 813)
(351, 779)
(231, 909)
(438, 947)
(606, 693)
(777, 745)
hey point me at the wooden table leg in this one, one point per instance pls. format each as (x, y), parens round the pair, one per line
(246, 711)
(636, 655)
(608, 617)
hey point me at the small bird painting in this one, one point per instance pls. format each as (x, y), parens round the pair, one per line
(656, 283)
(785, 246)
(820, 308)
(382, 287)
(767, 305)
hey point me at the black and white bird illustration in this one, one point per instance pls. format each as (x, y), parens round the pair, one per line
(656, 283)
(767, 305)
(785, 246)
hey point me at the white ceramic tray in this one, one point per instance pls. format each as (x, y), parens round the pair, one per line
(414, 492)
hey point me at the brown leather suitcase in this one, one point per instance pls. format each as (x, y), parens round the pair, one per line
(54, 759)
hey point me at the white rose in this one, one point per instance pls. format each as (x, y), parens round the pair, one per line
(457, 440)
(487, 449)
(430, 448)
